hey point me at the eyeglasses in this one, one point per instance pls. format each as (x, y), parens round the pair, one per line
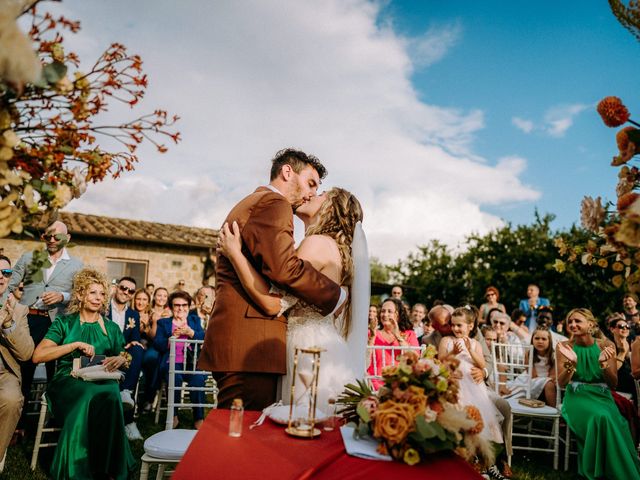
(6, 272)
(127, 289)
(544, 317)
(497, 322)
(50, 237)
(21, 289)
(180, 305)
(622, 327)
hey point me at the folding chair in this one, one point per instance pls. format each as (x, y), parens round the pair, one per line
(509, 362)
(168, 447)
(41, 431)
(381, 356)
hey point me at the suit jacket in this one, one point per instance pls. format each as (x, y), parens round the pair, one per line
(16, 346)
(240, 337)
(164, 331)
(61, 280)
(131, 331)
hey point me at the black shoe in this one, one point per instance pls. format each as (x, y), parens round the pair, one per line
(495, 474)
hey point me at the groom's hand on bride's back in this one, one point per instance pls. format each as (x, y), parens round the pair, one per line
(340, 308)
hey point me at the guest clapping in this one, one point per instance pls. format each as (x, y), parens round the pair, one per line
(92, 443)
(588, 368)
(181, 325)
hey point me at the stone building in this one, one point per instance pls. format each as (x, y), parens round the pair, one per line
(150, 252)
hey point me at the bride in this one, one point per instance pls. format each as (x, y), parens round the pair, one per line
(331, 220)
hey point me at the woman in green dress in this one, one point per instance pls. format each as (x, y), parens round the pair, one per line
(587, 367)
(92, 443)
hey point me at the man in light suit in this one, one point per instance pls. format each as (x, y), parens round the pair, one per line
(16, 345)
(244, 347)
(48, 292)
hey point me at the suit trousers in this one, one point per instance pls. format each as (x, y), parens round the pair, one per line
(257, 390)
(505, 409)
(38, 327)
(131, 376)
(11, 402)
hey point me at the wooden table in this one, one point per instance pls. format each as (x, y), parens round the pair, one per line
(267, 452)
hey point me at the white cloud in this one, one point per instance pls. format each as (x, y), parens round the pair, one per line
(560, 118)
(522, 124)
(434, 44)
(249, 78)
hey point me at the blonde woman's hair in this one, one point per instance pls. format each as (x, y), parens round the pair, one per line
(81, 282)
(586, 313)
(337, 219)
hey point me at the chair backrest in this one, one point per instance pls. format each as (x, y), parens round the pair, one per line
(511, 361)
(380, 356)
(189, 368)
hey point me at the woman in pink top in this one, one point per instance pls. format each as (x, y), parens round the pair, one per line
(397, 330)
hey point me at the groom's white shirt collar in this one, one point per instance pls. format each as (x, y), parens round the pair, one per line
(343, 292)
(271, 187)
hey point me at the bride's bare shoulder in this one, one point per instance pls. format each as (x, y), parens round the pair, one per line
(319, 250)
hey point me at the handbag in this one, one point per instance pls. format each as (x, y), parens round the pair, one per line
(94, 373)
(529, 402)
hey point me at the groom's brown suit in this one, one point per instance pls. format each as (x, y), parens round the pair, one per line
(245, 348)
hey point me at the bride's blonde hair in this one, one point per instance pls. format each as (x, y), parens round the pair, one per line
(337, 219)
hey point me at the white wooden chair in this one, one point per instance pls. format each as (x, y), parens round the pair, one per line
(167, 447)
(388, 355)
(509, 362)
(41, 431)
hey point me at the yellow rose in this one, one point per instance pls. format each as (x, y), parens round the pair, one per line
(417, 399)
(411, 456)
(393, 421)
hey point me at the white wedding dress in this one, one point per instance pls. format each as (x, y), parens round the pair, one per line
(344, 360)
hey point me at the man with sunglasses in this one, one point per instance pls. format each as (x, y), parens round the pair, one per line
(46, 293)
(121, 313)
(5, 275)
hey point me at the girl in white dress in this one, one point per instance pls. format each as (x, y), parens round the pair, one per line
(469, 352)
(330, 220)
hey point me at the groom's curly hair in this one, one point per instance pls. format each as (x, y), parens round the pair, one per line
(298, 160)
(337, 218)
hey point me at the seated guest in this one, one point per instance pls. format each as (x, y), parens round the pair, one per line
(519, 318)
(159, 307)
(204, 299)
(181, 325)
(16, 345)
(397, 330)
(5, 275)
(92, 443)
(545, 322)
(128, 321)
(587, 367)
(632, 315)
(418, 314)
(141, 303)
(492, 295)
(373, 322)
(440, 318)
(619, 329)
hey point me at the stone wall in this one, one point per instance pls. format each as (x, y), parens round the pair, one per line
(166, 265)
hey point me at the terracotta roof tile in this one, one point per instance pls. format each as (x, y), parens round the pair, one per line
(81, 225)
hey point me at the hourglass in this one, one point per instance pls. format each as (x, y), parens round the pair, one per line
(302, 418)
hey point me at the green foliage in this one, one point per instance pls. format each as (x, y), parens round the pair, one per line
(508, 258)
(380, 273)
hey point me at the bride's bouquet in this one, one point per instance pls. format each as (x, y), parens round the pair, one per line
(416, 412)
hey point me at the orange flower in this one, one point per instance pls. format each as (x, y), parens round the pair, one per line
(622, 138)
(613, 112)
(624, 201)
(393, 421)
(474, 414)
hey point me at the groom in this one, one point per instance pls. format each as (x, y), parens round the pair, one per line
(245, 348)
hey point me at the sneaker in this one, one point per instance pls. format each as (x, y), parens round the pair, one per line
(494, 473)
(131, 429)
(127, 400)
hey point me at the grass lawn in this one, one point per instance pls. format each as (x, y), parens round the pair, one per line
(526, 466)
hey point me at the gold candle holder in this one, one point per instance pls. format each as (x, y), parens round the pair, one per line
(305, 426)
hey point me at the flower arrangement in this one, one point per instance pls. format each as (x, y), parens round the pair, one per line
(415, 413)
(614, 228)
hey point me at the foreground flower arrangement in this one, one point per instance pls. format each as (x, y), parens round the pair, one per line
(415, 413)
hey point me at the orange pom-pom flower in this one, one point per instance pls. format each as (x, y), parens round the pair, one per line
(613, 112)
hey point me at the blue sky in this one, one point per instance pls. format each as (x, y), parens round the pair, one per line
(524, 59)
(443, 117)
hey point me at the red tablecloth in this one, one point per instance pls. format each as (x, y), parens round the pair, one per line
(267, 452)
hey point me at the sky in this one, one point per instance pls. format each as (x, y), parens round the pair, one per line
(444, 118)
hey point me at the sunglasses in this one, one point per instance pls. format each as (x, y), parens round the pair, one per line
(50, 237)
(497, 322)
(622, 327)
(180, 305)
(127, 289)
(6, 272)
(544, 317)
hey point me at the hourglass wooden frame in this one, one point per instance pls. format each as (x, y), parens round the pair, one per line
(313, 398)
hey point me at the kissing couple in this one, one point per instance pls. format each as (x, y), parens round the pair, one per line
(271, 298)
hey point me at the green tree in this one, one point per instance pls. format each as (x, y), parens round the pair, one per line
(509, 258)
